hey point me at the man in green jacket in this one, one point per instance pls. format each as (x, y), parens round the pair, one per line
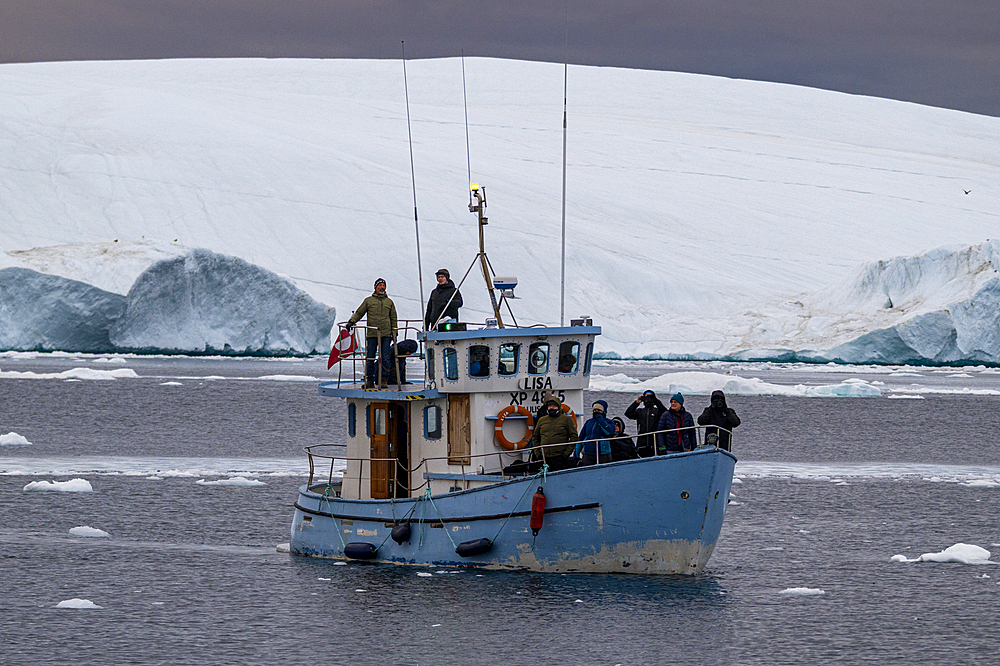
(555, 427)
(381, 332)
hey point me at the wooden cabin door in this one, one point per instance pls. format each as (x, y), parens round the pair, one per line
(459, 441)
(381, 470)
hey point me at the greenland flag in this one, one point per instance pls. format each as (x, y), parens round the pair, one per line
(344, 345)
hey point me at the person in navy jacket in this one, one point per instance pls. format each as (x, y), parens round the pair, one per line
(595, 428)
(676, 440)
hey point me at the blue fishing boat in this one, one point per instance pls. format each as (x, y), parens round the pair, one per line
(435, 472)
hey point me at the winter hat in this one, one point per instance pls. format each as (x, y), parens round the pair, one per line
(378, 281)
(648, 393)
(618, 421)
(678, 397)
(406, 347)
(552, 400)
(601, 406)
(444, 272)
(719, 395)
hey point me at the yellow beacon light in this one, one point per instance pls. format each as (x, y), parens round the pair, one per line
(475, 187)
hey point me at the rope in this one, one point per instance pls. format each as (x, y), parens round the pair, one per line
(427, 494)
(339, 526)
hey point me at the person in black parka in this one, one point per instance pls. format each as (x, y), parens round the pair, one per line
(722, 416)
(646, 412)
(622, 447)
(440, 296)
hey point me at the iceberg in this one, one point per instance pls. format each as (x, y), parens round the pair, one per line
(208, 302)
(47, 312)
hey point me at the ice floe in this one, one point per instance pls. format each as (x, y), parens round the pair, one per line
(13, 439)
(77, 603)
(961, 553)
(232, 481)
(71, 486)
(703, 383)
(87, 531)
(802, 591)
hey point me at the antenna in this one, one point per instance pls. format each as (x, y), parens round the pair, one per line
(413, 180)
(468, 151)
(562, 274)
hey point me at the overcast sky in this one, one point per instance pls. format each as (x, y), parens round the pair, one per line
(928, 51)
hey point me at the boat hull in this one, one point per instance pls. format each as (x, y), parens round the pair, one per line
(659, 515)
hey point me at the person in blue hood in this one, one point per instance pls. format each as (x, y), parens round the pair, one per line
(673, 420)
(596, 428)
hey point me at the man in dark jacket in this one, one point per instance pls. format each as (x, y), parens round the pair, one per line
(381, 331)
(646, 412)
(673, 420)
(720, 415)
(438, 306)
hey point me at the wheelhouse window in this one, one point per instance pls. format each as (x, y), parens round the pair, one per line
(538, 358)
(450, 364)
(589, 357)
(569, 357)
(432, 422)
(509, 356)
(352, 419)
(430, 363)
(479, 361)
(378, 421)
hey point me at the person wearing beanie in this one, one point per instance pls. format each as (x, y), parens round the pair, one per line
(554, 431)
(622, 446)
(444, 301)
(723, 418)
(646, 412)
(679, 427)
(380, 333)
(596, 428)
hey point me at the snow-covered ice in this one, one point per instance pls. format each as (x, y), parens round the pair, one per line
(802, 591)
(169, 157)
(703, 383)
(71, 486)
(13, 439)
(74, 373)
(232, 481)
(87, 531)
(961, 553)
(77, 603)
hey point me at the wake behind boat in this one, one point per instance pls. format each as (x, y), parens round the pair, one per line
(434, 471)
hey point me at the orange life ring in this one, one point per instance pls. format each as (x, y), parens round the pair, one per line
(569, 410)
(498, 428)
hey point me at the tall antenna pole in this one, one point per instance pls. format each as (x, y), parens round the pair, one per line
(413, 180)
(468, 151)
(562, 275)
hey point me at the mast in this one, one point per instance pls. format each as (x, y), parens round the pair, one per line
(479, 207)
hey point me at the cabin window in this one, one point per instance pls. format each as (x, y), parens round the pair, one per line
(379, 421)
(430, 363)
(451, 364)
(432, 422)
(538, 358)
(368, 420)
(479, 361)
(590, 356)
(509, 355)
(569, 357)
(352, 419)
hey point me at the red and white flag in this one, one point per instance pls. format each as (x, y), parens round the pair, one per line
(344, 345)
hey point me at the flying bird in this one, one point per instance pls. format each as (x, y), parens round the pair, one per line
(966, 191)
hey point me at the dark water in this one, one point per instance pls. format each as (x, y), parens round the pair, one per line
(191, 575)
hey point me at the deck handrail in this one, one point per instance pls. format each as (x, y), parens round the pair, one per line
(424, 462)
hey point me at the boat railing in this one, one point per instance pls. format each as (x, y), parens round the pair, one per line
(468, 468)
(406, 329)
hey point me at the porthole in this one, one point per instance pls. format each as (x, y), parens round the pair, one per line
(684, 494)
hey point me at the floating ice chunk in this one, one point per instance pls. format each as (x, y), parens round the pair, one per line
(289, 378)
(171, 384)
(435, 625)
(982, 483)
(87, 531)
(283, 548)
(232, 481)
(578, 601)
(13, 439)
(737, 481)
(75, 373)
(340, 564)
(905, 397)
(71, 486)
(901, 558)
(114, 360)
(424, 574)
(321, 578)
(802, 591)
(77, 603)
(961, 553)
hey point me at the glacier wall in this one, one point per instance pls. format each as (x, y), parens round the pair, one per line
(199, 302)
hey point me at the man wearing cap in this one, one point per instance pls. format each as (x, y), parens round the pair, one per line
(442, 304)
(679, 425)
(596, 428)
(381, 312)
(553, 428)
(646, 412)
